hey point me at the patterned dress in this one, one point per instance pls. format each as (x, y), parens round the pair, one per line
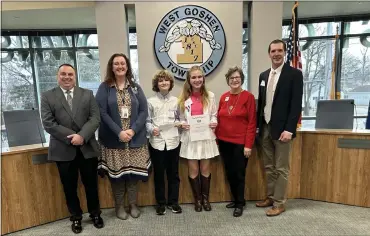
(128, 163)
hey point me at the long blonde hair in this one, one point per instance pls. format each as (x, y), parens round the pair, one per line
(187, 89)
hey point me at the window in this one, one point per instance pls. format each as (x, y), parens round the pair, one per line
(51, 41)
(245, 57)
(317, 53)
(355, 73)
(134, 55)
(17, 84)
(88, 68)
(317, 45)
(135, 64)
(30, 61)
(316, 68)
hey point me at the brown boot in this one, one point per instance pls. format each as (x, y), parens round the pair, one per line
(195, 186)
(265, 203)
(206, 182)
(275, 210)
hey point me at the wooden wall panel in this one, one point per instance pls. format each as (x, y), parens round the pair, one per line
(334, 174)
(33, 195)
(294, 185)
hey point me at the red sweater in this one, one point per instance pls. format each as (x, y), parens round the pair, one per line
(239, 124)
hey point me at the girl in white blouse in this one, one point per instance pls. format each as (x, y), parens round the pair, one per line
(197, 100)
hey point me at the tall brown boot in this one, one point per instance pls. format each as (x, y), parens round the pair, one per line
(206, 182)
(195, 186)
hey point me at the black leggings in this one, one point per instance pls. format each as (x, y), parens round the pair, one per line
(235, 165)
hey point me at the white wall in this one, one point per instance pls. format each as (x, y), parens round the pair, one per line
(265, 26)
(149, 15)
(112, 31)
(28, 5)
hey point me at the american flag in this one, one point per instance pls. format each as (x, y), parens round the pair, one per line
(293, 53)
(293, 57)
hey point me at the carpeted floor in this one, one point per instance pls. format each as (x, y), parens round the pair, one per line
(303, 217)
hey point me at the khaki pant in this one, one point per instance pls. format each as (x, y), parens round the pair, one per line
(275, 155)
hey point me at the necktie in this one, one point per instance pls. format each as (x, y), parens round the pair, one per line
(269, 97)
(69, 98)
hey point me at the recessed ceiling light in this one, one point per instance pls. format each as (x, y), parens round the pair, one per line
(16, 17)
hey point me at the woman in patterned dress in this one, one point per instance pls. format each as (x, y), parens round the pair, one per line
(197, 100)
(122, 133)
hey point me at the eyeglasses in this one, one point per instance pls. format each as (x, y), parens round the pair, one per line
(235, 78)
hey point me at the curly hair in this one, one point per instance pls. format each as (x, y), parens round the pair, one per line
(231, 71)
(162, 74)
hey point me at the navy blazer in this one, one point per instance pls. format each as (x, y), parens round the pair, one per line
(111, 121)
(287, 101)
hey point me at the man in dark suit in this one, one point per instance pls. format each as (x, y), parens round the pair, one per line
(279, 108)
(71, 116)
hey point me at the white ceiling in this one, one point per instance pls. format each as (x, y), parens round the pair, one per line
(84, 17)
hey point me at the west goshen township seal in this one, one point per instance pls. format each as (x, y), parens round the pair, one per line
(187, 36)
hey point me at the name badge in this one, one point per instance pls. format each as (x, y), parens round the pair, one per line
(263, 83)
(226, 99)
(188, 103)
(124, 112)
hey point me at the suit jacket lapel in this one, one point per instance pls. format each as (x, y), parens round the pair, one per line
(62, 98)
(76, 100)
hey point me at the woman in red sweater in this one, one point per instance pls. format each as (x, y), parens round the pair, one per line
(235, 133)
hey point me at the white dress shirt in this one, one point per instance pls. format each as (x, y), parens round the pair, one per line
(277, 76)
(162, 110)
(65, 92)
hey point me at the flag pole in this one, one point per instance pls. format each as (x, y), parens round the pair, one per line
(295, 59)
(295, 33)
(333, 80)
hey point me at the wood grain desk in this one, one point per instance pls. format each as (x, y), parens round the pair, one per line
(33, 195)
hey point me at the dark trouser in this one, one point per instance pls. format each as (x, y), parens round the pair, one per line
(166, 161)
(235, 165)
(68, 172)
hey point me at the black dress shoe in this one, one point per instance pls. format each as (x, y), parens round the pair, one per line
(238, 211)
(76, 226)
(161, 210)
(98, 222)
(230, 205)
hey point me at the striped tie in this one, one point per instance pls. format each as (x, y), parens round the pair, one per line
(69, 98)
